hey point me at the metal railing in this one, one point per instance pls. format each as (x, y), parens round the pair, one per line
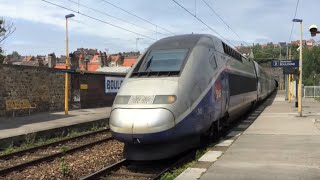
(311, 91)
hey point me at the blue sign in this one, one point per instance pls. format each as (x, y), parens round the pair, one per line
(68, 70)
(293, 63)
(113, 84)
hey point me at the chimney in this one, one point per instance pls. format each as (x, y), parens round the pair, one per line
(74, 61)
(40, 62)
(105, 59)
(52, 60)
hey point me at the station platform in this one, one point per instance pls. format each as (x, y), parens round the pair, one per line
(274, 142)
(14, 129)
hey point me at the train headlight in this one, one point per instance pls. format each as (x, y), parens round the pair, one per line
(165, 99)
(122, 99)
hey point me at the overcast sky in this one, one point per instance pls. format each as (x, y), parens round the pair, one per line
(40, 27)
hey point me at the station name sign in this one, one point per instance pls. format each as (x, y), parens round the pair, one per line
(292, 63)
(113, 84)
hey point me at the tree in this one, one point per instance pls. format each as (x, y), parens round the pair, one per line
(15, 54)
(6, 29)
(1, 56)
(311, 66)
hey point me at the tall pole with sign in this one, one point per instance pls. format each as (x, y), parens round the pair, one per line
(289, 88)
(66, 88)
(300, 69)
(300, 74)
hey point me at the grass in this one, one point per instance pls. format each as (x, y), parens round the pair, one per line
(64, 167)
(176, 172)
(30, 140)
(173, 174)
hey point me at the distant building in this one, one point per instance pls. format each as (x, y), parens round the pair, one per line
(129, 62)
(9, 59)
(297, 42)
(282, 44)
(311, 42)
(119, 69)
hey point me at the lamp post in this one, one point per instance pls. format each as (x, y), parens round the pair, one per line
(314, 31)
(300, 69)
(66, 88)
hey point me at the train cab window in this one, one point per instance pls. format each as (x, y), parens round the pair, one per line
(164, 60)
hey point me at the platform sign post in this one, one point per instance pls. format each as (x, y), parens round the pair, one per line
(289, 86)
(289, 68)
(286, 63)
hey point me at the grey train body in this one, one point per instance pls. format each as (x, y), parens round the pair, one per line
(177, 89)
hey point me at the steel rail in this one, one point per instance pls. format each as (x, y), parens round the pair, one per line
(29, 150)
(50, 157)
(105, 170)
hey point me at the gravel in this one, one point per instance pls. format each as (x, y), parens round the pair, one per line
(51, 150)
(76, 165)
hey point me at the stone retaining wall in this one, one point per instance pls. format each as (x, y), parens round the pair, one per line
(42, 86)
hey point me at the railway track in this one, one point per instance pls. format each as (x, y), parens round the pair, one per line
(125, 169)
(20, 160)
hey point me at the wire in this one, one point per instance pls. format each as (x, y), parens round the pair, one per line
(295, 13)
(137, 16)
(98, 19)
(215, 12)
(114, 17)
(203, 22)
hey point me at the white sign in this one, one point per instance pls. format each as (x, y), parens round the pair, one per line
(113, 84)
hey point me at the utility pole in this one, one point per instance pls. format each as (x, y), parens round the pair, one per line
(300, 69)
(66, 88)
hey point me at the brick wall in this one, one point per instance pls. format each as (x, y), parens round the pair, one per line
(45, 87)
(42, 86)
(95, 95)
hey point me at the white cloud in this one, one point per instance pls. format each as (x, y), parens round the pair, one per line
(253, 20)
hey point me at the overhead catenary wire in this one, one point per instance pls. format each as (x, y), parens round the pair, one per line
(82, 5)
(215, 12)
(91, 17)
(295, 13)
(203, 22)
(143, 19)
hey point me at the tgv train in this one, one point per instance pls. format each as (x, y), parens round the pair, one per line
(182, 89)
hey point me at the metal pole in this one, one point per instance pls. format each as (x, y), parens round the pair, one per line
(66, 74)
(289, 88)
(300, 70)
(286, 86)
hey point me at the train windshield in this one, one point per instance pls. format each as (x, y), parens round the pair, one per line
(164, 60)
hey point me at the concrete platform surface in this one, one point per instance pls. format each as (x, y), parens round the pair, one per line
(278, 145)
(15, 126)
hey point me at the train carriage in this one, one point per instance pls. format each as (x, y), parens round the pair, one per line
(183, 88)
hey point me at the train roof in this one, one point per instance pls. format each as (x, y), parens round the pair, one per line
(179, 41)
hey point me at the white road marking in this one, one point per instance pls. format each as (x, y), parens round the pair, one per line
(191, 174)
(234, 134)
(243, 126)
(211, 156)
(248, 121)
(225, 143)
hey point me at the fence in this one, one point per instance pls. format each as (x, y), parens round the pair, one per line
(311, 91)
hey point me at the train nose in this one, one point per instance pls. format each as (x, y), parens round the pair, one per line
(134, 125)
